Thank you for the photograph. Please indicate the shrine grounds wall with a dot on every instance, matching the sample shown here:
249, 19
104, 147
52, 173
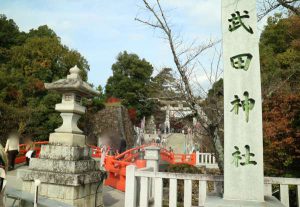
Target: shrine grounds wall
112, 121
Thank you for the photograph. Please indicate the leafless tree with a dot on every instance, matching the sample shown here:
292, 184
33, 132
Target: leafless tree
267, 6
186, 60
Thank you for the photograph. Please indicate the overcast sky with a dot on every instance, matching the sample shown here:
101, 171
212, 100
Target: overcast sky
100, 29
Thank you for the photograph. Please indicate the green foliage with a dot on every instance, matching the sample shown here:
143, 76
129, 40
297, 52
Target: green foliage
98, 101
9, 36
130, 82
163, 85
9, 32
183, 168
216, 91
27, 61
280, 55
280, 65
213, 107
45, 58
42, 31
10, 119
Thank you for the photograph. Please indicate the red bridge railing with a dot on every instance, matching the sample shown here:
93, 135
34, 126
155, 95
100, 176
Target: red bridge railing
21, 156
115, 165
172, 158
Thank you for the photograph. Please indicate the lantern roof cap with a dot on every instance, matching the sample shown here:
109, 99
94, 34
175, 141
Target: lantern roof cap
73, 84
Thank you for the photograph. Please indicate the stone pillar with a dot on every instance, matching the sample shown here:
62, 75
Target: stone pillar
243, 166
167, 121
65, 168
152, 156
243, 137
150, 125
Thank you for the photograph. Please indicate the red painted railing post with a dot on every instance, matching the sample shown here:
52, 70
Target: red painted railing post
21, 156
193, 158
111, 170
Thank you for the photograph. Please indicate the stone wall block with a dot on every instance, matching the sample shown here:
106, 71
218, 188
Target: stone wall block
64, 166
55, 191
112, 119
79, 202
43, 189
27, 186
59, 152
94, 188
81, 192
61, 178
71, 193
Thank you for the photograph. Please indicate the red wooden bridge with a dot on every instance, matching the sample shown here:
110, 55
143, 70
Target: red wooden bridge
115, 165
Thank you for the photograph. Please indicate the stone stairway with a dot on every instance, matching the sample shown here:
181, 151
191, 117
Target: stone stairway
177, 142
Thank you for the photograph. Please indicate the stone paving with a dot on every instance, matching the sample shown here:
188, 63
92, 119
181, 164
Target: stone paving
111, 197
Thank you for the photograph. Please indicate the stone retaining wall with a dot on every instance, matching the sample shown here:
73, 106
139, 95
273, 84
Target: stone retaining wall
114, 122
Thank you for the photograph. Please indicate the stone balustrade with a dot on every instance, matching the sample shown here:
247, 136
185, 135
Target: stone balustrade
284, 184
206, 159
139, 182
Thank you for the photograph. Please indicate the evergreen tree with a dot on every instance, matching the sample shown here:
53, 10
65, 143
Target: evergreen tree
27, 61
163, 85
130, 82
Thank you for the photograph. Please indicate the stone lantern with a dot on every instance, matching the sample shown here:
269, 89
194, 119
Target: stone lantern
64, 167
73, 89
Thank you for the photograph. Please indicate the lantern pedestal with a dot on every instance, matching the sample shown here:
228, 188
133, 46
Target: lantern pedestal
67, 139
67, 174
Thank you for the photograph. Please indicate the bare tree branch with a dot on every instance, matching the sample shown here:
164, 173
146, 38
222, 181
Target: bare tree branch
267, 6
185, 60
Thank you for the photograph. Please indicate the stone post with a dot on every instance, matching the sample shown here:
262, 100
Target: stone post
167, 118
131, 187
197, 158
243, 137
65, 168
243, 166
152, 156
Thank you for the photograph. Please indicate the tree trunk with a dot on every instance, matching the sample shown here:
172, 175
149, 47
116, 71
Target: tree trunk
218, 149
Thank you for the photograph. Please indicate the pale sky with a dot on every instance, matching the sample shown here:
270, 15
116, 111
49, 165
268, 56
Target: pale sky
100, 29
